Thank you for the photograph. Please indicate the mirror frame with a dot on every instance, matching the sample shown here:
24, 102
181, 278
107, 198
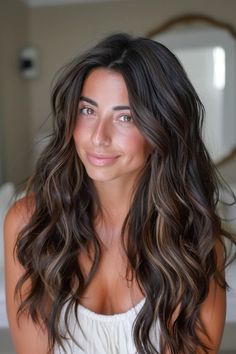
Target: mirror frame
190, 19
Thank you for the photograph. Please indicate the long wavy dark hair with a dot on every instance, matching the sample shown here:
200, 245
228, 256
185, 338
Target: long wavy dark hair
172, 225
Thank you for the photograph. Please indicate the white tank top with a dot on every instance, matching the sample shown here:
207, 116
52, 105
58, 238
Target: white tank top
103, 334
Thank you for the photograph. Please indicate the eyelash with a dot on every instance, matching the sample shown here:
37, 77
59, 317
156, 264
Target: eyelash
126, 115
84, 111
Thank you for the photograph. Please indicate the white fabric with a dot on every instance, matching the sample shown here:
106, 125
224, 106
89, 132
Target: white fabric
104, 334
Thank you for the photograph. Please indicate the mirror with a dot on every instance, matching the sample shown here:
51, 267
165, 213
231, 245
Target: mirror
207, 50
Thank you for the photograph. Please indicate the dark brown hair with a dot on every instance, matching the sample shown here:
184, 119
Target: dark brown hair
172, 225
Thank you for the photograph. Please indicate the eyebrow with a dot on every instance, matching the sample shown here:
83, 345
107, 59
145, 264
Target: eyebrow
94, 103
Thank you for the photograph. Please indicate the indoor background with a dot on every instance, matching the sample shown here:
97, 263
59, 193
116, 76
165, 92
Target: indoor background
57, 33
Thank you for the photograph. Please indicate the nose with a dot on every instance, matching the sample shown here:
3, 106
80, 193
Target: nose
102, 134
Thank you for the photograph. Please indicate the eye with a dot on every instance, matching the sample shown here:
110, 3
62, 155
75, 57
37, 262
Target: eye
126, 118
86, 111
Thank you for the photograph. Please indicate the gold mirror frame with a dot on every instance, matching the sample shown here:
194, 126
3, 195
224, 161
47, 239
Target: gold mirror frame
193, 19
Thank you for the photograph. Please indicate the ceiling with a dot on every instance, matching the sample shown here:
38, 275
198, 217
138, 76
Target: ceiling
36, 3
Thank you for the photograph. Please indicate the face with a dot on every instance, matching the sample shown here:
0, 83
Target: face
107, 141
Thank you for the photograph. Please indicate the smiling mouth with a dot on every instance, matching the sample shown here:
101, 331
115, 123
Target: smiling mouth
101, 160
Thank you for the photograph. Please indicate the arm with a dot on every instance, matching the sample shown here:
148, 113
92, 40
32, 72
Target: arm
27, 337
213, 311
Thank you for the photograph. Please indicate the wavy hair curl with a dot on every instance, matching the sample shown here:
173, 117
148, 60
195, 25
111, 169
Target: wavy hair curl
172, 225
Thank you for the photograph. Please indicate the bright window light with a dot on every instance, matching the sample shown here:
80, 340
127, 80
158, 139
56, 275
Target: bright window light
219, 68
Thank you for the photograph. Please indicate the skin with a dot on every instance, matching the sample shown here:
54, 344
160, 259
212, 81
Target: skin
27, 338
114, 153
107, 141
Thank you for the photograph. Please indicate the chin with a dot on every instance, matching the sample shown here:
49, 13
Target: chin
100, 176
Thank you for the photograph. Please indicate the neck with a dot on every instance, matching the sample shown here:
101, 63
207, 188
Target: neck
115, 201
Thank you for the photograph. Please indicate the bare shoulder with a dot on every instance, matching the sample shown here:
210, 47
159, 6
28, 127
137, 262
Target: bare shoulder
16, 219
19, 215
27, 336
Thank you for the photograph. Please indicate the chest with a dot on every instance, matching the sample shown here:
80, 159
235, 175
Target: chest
109, 292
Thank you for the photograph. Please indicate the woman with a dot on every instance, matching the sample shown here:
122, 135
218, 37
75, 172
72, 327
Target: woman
118, 247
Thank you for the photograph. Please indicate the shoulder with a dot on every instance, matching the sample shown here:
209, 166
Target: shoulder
27, 336
19, 215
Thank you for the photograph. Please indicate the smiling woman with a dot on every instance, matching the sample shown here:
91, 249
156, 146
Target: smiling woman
117, 246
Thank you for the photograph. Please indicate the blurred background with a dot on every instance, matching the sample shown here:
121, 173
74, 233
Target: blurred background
37, 37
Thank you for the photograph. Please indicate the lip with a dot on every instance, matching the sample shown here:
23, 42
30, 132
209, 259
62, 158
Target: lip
101, 159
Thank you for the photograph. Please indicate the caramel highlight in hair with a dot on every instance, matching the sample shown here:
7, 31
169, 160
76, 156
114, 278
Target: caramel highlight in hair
172, 225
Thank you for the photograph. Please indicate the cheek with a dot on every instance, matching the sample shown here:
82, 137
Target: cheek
138, 146
79, 135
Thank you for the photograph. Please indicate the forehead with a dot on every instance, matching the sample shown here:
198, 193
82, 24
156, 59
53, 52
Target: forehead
102, 83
